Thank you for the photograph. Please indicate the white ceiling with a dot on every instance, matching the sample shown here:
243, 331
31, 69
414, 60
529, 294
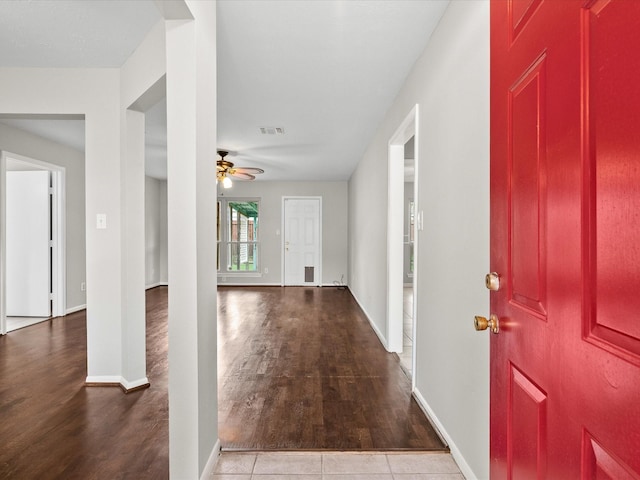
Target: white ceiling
324, 70
72, 33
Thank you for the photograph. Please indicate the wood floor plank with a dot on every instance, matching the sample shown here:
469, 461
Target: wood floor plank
53, 426
298, 369
301, 368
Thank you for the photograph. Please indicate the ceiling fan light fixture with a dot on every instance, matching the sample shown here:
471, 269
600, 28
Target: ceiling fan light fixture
225, 170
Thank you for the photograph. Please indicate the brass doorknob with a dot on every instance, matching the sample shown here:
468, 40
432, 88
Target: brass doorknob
492, 281
493, 324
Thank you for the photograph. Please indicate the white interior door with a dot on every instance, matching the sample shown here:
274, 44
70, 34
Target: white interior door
28, 266
302, 245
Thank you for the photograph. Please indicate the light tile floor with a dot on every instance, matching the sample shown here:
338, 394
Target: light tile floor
336, 466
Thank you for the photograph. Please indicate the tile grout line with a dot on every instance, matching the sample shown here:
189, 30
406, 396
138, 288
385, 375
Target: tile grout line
255, 461
386, 457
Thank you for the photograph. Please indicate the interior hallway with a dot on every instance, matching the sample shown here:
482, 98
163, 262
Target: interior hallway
301, 368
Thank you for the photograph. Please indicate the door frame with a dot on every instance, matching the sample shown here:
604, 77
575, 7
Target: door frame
282, 243
395, 233
58, 224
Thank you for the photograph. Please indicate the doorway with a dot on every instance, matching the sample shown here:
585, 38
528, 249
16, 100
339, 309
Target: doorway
403, 223
39, 186
302, 241
408, 247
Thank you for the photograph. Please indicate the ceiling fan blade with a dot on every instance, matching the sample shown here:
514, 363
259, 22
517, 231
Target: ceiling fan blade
240, 175
249, 170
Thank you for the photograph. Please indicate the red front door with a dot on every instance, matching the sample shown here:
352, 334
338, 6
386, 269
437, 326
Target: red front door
565, 239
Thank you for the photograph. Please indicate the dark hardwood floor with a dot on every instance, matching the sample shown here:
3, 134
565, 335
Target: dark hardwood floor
298, 368
301, 368
53, 426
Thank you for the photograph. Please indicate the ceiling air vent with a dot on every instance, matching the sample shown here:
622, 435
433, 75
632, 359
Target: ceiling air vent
272, 130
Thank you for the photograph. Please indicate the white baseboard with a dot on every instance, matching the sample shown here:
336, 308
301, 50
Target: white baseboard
76, 309
381, 337
455, 451
210, 466
108, 380
157, 284
136, 383
103, 379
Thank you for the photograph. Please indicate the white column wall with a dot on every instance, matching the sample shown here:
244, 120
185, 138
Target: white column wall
164, 255
134, 370
183, 295
140, 81
191, 190
206, 198
104, 251
152, 230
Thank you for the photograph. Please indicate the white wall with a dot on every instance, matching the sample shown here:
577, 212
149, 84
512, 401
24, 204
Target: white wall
334, 227
22, 143
450, 82
164, 244
155, 232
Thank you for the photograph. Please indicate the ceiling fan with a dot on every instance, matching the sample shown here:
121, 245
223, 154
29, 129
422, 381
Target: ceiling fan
225, 171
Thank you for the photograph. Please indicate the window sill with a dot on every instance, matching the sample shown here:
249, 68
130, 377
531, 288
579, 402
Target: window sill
239, 274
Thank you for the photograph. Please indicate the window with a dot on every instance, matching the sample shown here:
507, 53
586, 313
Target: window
240, 244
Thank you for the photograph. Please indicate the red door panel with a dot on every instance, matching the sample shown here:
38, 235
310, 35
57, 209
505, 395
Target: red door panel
527, 189
612, 149
601, 465
527, 424
565, 238
520, 11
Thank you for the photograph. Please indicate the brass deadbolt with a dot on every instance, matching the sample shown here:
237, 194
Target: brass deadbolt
492, 281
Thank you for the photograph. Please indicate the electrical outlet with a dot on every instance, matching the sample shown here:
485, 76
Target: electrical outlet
83, 287
266, 270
